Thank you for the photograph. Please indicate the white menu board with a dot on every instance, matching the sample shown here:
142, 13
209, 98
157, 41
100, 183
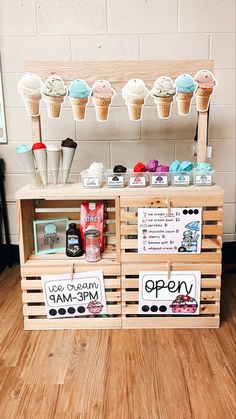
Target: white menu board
178, 232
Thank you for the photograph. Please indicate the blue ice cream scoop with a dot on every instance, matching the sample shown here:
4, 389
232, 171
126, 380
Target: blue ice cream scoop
203, 167
79, 89
185, 84
185, 166
174, 167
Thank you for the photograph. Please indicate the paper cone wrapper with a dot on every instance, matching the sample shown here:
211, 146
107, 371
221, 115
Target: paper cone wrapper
67, 159
78, 107
40, 156
32, 104
54, 164
102, 108
135, 107
53, 105
28, 163
203, 98
184, 102
163, 106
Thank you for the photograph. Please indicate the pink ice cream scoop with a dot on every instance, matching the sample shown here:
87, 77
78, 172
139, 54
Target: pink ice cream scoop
205, 79
102, 89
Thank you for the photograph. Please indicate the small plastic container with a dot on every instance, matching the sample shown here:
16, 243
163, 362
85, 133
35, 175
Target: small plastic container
203, 178
138, 179
115, 180
157, 179
92, 246
88, 181
181, 178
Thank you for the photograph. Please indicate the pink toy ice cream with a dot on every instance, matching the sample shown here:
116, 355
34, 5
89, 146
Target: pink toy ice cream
184, 304
206, 84
163, 92
102, 93
29, 88
135, 93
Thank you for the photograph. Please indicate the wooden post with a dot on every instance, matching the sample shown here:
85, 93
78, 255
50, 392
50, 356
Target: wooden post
202, 137
36, 129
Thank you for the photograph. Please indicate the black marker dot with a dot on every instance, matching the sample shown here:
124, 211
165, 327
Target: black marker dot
62, 311
145, 309
154, 309
162, 308
196, 211
71, 310
190, 211
185, 212
81, 309
53, 312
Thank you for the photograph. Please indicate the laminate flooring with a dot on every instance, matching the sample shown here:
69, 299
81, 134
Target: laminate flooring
114, 374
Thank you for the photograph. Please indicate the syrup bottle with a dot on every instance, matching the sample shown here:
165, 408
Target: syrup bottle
73, 241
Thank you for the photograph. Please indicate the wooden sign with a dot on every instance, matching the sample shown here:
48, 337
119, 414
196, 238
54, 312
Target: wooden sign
177, 294
178, 232
84, 295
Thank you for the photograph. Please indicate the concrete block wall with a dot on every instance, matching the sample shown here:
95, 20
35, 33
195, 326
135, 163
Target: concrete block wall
123, 30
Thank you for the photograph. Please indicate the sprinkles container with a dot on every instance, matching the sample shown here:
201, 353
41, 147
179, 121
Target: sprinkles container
92, 247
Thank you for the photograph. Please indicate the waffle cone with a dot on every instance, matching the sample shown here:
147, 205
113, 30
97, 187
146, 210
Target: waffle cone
203, 98
78, 107
135, 107
184, 102
54, 105
102, 108
32, 104
163, 106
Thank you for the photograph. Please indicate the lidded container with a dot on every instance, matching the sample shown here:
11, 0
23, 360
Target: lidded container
159, 178
181, 178
92, 246
137, 179
89, 181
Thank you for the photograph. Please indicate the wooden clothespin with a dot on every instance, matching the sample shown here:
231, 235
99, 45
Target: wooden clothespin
168, 204
168, 266
72, 271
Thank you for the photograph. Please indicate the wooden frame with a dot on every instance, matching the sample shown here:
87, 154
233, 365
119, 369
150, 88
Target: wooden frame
118, 72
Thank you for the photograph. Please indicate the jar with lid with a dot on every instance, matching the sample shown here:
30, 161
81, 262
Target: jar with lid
92, 247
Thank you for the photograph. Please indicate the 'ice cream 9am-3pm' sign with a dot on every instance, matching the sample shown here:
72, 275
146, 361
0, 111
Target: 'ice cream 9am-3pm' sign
178, 232
177, 294
84, 295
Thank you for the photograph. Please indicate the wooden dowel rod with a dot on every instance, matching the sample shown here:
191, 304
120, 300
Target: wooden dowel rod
202, 137
36, 129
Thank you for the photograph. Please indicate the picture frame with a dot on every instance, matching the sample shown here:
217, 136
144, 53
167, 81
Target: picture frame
50, 235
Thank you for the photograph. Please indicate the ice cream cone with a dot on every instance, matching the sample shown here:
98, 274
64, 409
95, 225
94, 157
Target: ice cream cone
54, 163
78, 107
135, 108
184, 102
28, 163
102, 108
54, 105
163, 106
32, 104
202, 98
67, 159
40, 156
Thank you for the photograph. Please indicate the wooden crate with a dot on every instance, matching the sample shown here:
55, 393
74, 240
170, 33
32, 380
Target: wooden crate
210, 298
34, 308
212, 206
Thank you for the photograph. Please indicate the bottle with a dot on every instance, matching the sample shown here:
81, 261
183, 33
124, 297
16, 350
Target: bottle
73, 241
92, 252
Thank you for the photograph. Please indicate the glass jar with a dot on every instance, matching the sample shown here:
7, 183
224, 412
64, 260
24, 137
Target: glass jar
92, 246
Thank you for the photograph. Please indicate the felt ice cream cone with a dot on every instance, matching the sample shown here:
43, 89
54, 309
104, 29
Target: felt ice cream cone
32, 104
26, 156
203, 98
78, 107
53, 155
184, 102
40, 156
163, 106
67, 159
102, 108
135, 108
53, 105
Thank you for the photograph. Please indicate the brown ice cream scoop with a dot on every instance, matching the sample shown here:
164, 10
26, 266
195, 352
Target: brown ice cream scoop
68, 142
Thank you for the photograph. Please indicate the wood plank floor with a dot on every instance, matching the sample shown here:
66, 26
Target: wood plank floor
131, 374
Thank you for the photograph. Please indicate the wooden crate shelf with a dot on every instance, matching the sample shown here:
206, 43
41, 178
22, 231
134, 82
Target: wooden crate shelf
121, 262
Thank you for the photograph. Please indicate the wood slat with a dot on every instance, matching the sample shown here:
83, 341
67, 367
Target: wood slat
36, 284
191, 196
205, 282
204, 309
171, 257
206, 215
215, 230
170, 322
38, 297
75, 323
205, 268
38, 269
206, 244
41, 311
204, 296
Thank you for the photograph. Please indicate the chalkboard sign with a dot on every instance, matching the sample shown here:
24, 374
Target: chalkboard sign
84, 295
177, 294
178, 232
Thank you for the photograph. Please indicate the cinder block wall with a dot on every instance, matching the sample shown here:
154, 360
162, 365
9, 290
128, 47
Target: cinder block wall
121, 29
